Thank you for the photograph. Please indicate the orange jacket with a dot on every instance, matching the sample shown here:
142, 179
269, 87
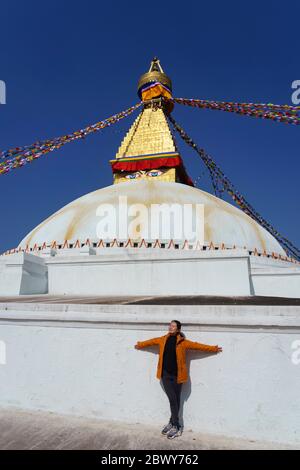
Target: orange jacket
182, 345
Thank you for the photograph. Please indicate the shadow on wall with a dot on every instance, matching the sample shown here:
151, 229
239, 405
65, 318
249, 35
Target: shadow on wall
186, 386
186, 390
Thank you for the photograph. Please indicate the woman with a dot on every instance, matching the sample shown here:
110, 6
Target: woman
172, 368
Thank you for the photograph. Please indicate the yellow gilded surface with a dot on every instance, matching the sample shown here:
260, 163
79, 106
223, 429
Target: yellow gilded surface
149, 134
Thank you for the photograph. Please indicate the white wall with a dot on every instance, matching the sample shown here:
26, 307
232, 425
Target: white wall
23, 273
147, 271
277, 282
80, 359
150, 272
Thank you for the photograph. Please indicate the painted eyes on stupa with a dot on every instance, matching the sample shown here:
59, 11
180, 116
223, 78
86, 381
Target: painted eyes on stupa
139, 174
154, 173
131, 176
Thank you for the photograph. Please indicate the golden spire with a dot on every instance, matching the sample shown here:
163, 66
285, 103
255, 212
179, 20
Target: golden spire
149, 135
148, 150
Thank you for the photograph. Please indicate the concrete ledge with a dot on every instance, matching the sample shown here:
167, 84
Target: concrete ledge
154, 317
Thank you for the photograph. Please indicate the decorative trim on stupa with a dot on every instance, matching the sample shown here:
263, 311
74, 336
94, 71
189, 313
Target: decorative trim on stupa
144, 243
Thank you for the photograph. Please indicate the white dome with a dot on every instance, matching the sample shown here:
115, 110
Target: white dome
223, 223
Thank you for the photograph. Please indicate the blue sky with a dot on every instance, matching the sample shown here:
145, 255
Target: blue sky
69, 64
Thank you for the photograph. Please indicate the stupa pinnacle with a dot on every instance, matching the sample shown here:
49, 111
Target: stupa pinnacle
149, 149
154, 83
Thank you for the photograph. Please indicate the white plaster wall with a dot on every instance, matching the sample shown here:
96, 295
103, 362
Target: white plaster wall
150, 272
2, 268
81, 360
23, 273
277, 282
144, 271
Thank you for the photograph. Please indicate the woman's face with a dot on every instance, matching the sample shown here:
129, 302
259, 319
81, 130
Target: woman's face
172, 327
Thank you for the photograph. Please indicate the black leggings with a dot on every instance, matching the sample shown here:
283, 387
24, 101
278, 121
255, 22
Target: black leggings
173, 391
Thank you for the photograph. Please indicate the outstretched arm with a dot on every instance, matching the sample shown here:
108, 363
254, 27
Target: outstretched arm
202, 347
148, 342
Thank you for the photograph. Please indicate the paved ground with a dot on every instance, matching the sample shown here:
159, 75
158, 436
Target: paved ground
40, 430
155, 300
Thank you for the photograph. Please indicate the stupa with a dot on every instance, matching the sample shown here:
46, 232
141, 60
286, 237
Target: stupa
116, 265
131, 237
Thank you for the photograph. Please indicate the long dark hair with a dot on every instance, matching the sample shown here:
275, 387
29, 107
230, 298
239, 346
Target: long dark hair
178, 323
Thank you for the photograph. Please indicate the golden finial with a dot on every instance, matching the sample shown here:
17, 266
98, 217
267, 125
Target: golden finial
154, 76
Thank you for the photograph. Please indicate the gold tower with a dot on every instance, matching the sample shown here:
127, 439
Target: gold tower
149, 150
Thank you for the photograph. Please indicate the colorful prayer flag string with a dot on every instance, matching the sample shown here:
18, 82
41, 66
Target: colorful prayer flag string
275, 112
20, 156
218, 177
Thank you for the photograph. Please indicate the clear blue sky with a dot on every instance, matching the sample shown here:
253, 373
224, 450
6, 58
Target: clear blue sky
68, 64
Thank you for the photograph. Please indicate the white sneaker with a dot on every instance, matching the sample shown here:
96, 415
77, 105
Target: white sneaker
174, 432
167, 428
